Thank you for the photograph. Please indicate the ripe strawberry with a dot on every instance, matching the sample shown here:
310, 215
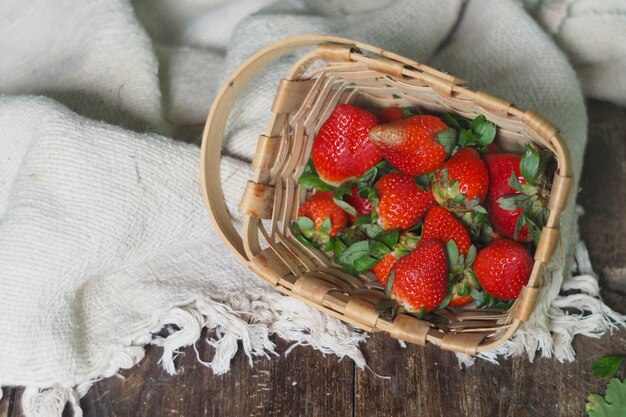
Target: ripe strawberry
341, 149
493, 148
383, 268
514, 203
393, 114
503, 268
500, 167
321, 206
440, 224
401, 202
411, 144
421, 278
462, 182
459, 300
360, 204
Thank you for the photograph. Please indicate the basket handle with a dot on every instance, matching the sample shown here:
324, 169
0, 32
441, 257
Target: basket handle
330, 48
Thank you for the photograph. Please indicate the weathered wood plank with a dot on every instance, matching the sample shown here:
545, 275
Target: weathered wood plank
430, 382
603, 196
6, 403
305, 383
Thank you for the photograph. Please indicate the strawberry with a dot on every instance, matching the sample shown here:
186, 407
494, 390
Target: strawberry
493, 148
411, 144
440, 224
503, 268
500, 167
383, 268
401, 202
518, 194
320, 207
461, 277
420, 279
462, 182
459, 300
393, 114
341, 149
362, 206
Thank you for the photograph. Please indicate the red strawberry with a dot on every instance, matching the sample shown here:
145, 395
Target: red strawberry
321, 206
459, 300
383, 268
421, 277
341, 149
411, 144
393, 114
360, 204
401, 202
513, 202
493, 148
462, 182
503, 268
500, 167
440, 224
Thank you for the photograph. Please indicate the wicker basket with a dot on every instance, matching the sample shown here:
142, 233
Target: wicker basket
348, 71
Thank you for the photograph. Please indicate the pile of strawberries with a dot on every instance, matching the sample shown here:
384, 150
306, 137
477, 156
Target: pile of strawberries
429, 204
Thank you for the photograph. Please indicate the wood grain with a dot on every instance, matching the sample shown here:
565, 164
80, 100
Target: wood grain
423, 381
309, 385
603, 196
6, 403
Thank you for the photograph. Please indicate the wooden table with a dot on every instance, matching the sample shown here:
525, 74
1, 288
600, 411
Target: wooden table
423, 381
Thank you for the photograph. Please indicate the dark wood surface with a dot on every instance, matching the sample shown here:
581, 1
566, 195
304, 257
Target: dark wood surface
421, 381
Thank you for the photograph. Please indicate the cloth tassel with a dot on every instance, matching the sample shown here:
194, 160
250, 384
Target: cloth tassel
50, 402
250, 321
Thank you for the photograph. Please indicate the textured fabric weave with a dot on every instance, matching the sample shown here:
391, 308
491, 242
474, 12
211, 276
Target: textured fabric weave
104, 238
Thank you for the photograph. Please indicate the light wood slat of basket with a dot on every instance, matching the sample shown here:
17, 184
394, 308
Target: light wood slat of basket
547, 243
341, 285
352, 280
455, 325
329, 102
334, 51
492, 104
304, 150
278, 206
525, 303
482, 330
312, 257
287, 258
464, 343
257, 200
362, 311
561, 193
313, 112
479, 315
312, 288
384, 65
250, 236
290, 95
307, 259
372, 296
266, 152
409, 329
269, 266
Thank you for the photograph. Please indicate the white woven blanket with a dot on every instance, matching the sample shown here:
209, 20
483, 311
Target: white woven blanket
104, 238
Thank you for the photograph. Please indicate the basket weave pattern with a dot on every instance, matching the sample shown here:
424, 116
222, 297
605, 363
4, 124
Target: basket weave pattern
350, 72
